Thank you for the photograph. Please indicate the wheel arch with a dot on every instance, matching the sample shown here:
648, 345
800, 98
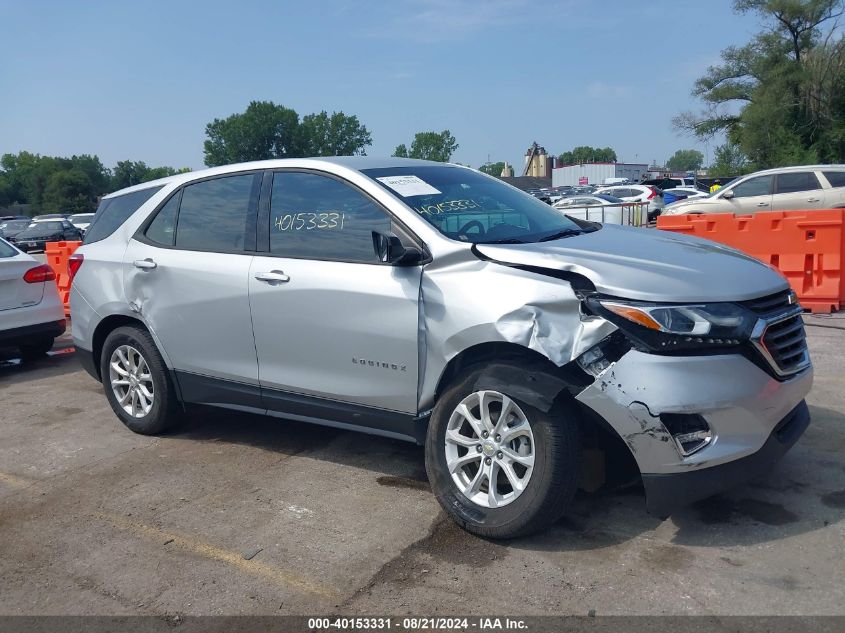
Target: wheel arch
108, 325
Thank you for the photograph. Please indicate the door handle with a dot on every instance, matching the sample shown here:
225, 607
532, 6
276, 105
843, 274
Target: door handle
762, 204
813, 199
144, 264
273, 277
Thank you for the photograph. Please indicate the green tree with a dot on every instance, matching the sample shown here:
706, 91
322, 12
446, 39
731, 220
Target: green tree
69, 191
335, 135
436, 146
494, 169
127, 173
685, 160
781, 97
728, 160
587, 154
265, 130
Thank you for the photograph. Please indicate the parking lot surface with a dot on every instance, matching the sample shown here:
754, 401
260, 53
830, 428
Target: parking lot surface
238, 514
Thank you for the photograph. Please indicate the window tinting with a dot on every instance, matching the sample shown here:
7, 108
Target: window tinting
317, 217
760, 186
835, 178
794, 182
113, 212
214, 214
163, 228
6, 250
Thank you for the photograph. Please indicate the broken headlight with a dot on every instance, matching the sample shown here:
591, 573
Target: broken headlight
665, 328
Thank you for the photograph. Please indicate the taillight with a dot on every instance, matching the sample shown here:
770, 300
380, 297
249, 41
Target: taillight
653, 192
73, 264
39, 274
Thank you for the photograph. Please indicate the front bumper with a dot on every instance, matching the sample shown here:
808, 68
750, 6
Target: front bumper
742, 404
668, 492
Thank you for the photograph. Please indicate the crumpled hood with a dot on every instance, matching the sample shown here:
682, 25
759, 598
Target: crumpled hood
649, 264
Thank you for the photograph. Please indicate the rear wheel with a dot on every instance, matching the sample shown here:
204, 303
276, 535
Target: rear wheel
136, 381
36, 348
500, 467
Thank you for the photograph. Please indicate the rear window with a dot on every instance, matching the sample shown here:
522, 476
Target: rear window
6, 250
113, 212
835, 178
794, 182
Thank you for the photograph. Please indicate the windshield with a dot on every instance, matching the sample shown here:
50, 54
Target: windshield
468, 206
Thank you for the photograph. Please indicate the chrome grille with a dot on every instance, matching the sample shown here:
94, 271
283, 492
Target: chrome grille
783, 343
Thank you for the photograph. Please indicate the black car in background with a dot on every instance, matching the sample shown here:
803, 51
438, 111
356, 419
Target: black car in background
34, 237
10, 228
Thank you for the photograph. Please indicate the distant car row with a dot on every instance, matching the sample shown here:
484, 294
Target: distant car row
31, 234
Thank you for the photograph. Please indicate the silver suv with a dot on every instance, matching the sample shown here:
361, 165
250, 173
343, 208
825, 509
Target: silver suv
783, 189
528, 351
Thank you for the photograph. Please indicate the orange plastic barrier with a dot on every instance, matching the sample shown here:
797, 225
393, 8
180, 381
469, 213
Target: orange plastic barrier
57, 255
806, 246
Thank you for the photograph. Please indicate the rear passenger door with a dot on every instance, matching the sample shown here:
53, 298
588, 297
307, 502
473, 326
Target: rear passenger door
797, 190
186, 271
332, 323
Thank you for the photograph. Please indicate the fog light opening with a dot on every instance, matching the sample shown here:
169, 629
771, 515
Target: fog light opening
690, 432
593, 361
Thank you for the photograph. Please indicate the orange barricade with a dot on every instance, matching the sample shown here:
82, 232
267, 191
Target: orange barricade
806, 246
57, 255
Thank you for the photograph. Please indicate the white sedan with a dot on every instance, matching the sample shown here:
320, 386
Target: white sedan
31, 313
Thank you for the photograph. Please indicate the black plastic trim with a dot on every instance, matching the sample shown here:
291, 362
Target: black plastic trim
86, 359
23, 334
208, 390
666, 493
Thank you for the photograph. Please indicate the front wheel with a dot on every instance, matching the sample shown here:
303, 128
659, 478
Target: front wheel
136, 381
500, 467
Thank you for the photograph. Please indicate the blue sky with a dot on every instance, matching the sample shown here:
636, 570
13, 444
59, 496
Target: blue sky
140, 80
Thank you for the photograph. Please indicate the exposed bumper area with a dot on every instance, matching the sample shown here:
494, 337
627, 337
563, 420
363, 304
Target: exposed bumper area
666, 493
28, 333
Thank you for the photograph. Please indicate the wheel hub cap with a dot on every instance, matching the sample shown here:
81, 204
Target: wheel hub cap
131, 381
489, 449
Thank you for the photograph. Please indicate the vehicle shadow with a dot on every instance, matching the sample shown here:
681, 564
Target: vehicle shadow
59, 361
789, 500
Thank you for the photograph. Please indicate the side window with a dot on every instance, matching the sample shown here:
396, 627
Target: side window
113, 212
214, 214
760, 186
835, 178
162, 230
317, 217
799, 181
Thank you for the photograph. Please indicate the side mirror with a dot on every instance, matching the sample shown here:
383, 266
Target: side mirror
390, 250
728, 195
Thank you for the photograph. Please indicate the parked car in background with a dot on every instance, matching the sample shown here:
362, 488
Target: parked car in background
14, 217
31, 314
781, 189
670, 183
37, 234
637, 193
81, 221
591, 208
50, 216
682, 193
517, 335
9, 229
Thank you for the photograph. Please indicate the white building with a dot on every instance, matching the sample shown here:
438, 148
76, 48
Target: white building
597, 173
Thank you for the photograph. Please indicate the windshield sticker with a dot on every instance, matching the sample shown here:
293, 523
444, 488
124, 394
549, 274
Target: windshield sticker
446, 207
407, 186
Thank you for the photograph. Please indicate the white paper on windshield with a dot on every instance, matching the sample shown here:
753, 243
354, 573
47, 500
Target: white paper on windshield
407, 186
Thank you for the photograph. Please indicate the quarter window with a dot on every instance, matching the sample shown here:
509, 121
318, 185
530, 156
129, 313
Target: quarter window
835, 178
795, 182
760, 186
214, 214
317, 217
162, 230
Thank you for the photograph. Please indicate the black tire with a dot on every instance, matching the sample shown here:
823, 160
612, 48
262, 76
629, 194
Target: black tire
552, 484
165, 409
36, 348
